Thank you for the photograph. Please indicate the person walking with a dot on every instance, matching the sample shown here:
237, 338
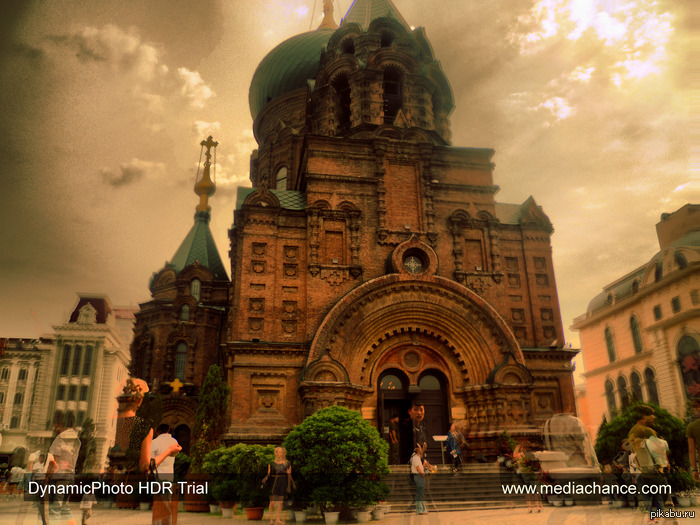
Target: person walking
394, 438
165, 504
454, 438
652, 473
281, 472
418, 473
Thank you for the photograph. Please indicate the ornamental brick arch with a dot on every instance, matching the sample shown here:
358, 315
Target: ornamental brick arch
448, 317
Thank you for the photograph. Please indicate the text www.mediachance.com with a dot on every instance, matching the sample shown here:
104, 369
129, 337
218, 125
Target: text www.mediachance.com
577, 489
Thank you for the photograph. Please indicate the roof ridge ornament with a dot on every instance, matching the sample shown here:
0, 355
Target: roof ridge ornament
328, 21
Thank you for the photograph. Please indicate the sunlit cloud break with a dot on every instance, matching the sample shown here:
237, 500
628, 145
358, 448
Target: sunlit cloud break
132, 172
194, 88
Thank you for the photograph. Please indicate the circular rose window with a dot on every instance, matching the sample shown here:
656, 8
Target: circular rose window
413, 263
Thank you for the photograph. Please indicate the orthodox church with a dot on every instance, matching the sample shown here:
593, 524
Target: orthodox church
370, 261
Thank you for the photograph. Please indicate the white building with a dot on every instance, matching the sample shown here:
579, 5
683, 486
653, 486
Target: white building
74, 374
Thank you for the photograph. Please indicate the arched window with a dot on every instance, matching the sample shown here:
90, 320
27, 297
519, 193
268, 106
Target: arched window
391, 382
610, 397
281, 179
652, 392
658, 272
180, 361
610, 344
185, 312
392, 94
2, 397
18, 398
681, 261
636, 383
636, 335
5, 374
429, 382
635, 286
342, 102
348, 46
689, 361
195, 288
622, 390
22, 374
14, 422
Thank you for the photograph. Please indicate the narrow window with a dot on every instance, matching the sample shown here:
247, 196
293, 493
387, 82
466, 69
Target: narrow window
636, 335
651, 386
66, 360
18, 398
676, 304
622, 390
392, 94
658, 272
22, 374
87, 363
281, 179
195, 288
636, 382
180, 361
610, 397
83, 393
185, 312
14, 422
610, 344
657, 312
61, 392
5, 373
76, 359
72, 389
342, 102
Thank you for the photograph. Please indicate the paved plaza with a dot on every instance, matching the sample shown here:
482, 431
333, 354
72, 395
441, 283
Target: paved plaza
14, 512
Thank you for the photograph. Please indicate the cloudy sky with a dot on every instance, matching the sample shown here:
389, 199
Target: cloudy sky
104, 104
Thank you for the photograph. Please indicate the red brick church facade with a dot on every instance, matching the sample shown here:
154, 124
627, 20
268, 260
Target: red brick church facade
370, 261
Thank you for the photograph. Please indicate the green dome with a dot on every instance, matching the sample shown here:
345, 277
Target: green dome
287, 67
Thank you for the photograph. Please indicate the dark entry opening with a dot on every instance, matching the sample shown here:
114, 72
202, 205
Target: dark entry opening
433, 394
395, 402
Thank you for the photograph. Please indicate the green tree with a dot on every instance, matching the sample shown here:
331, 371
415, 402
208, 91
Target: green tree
88, 448
338, 459
610, 436
211, 416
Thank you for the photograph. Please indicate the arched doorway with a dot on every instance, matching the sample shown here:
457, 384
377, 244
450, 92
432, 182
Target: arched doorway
433, 394
182, 433
394, 402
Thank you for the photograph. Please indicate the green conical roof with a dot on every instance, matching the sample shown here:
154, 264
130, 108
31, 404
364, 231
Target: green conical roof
199, 246
362, 12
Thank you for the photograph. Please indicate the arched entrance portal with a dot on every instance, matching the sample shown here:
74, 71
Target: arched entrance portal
395, 399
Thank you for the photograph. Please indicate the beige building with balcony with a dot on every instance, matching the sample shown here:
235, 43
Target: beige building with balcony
640, 337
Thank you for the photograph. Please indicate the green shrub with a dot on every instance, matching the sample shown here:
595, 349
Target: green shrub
338, 459
668, 427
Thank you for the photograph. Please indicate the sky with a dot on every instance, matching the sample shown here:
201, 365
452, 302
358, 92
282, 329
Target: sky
103, 105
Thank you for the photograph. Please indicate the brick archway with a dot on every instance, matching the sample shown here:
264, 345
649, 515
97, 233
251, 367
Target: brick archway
399, 309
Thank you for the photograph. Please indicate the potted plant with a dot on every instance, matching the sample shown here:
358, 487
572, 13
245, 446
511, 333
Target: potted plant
249, 464
224, 492
333, 449
682, 483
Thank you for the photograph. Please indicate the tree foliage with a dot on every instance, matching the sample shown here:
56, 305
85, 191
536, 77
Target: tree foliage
611, 434
339, 459
211, 416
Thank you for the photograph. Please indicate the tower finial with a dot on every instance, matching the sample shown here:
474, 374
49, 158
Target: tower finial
328, 20
205, 187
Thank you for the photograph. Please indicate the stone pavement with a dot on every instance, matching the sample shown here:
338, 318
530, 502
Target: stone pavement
13, 511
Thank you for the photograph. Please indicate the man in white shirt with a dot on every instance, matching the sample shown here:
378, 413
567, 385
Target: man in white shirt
419, 479
160, 444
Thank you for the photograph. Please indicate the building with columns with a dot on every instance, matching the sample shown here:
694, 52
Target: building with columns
25, 366
73, 374
640, 336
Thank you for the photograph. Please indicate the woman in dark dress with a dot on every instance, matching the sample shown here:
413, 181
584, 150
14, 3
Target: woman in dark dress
281, 472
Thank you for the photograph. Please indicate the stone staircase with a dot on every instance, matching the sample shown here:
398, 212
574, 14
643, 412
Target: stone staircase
477, 486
